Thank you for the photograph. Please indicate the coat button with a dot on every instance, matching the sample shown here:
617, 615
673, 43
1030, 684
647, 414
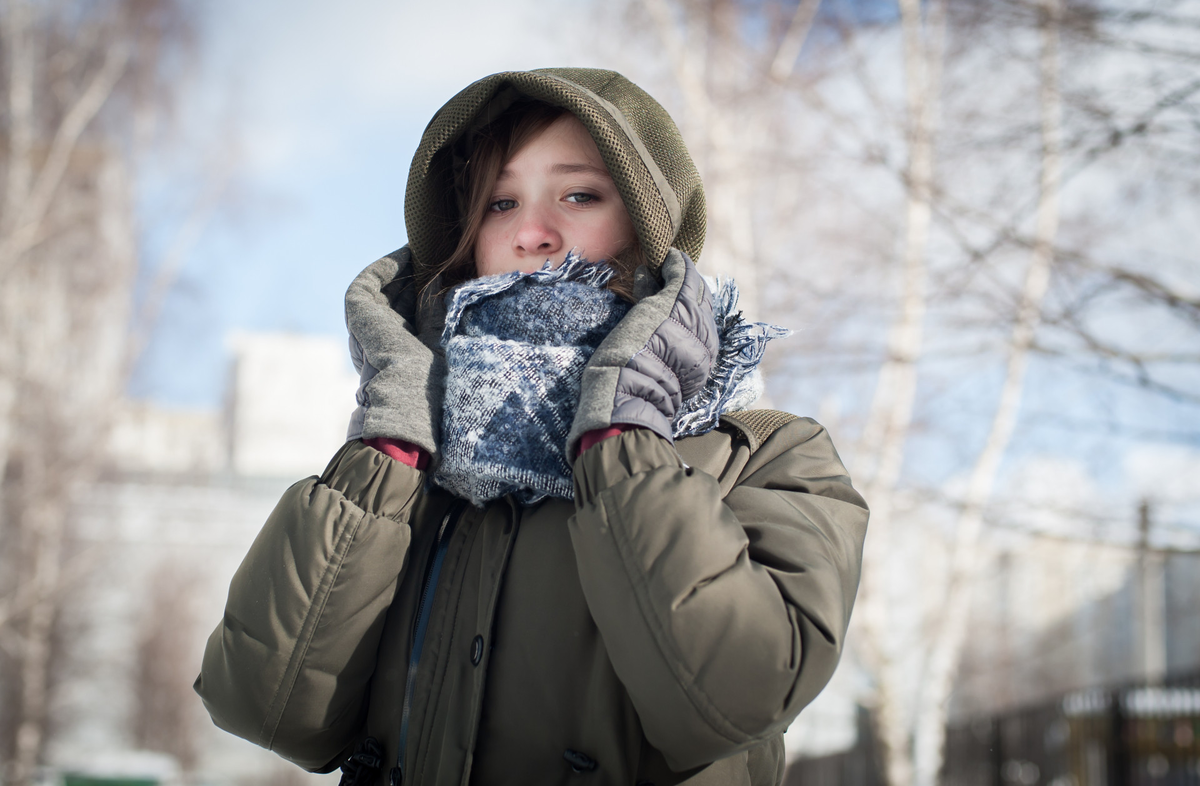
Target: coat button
476, 650
580, 762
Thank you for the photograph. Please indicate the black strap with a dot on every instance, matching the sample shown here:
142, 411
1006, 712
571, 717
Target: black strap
362, 768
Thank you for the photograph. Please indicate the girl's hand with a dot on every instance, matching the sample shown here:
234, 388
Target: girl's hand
399, 395
661, 353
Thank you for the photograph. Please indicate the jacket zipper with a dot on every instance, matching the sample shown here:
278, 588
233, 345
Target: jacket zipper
432, 572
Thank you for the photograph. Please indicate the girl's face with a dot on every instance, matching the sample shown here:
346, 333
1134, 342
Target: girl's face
554, 195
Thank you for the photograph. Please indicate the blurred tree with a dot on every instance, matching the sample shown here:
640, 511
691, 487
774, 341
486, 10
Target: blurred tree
167, 660
945, 650
945, 192
85, 84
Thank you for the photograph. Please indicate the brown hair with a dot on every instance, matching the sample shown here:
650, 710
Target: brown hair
492, 147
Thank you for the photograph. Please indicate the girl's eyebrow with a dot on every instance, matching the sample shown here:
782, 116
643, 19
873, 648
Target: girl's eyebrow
572, 169
564, 169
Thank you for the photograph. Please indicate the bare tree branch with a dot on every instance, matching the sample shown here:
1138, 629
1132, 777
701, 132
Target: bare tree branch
27, 222
1007, 231
793, 40
167, 271
68, 254
25, 596
933, 702
891, 414
20, 109
1186, 306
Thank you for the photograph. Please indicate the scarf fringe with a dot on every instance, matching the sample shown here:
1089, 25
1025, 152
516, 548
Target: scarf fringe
575, 269
735, 382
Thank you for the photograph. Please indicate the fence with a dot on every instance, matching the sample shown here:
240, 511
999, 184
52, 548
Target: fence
859, 766
1136, 734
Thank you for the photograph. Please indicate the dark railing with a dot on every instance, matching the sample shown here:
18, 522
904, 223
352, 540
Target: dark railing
859, 766
1135, 734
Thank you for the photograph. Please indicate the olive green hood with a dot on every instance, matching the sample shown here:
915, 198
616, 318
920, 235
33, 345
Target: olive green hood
640, 145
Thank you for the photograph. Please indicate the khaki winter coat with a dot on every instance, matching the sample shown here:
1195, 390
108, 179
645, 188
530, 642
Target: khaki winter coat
663, 627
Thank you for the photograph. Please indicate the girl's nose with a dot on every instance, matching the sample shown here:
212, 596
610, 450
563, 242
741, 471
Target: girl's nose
537, 236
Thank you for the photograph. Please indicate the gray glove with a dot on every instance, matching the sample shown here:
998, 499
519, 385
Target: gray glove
660, 354
401, 379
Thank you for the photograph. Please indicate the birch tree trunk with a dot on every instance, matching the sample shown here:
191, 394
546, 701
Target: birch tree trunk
784, 61
27, 221
16, 186
31, 187
730, 246
73, 319
44, 518
20, 110
880, 453
947, 645
68, 255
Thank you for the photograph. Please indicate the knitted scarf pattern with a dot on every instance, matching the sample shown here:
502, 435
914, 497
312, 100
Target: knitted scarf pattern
516, 345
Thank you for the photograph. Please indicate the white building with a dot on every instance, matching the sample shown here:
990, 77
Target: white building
160, 538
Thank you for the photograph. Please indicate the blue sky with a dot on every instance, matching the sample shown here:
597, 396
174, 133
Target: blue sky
321, 106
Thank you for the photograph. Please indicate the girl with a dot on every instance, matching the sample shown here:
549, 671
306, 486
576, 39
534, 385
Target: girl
557, 546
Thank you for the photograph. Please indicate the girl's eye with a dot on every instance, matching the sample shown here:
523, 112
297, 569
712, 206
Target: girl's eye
502, 205
581, 197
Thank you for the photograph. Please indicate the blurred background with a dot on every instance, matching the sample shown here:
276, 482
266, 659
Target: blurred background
981, 218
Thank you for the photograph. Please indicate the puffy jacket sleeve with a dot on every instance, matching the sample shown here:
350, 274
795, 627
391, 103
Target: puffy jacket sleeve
723, 615
288, 666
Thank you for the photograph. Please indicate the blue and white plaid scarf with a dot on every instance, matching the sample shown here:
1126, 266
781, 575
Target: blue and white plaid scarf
516, 345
